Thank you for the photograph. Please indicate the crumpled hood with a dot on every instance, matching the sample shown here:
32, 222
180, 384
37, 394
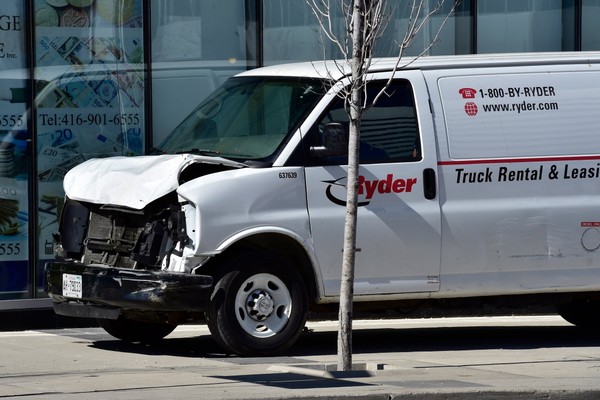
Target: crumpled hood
131, 181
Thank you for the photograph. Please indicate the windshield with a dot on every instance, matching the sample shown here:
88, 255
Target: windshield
248, 118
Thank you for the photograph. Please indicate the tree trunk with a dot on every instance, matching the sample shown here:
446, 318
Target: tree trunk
348, 261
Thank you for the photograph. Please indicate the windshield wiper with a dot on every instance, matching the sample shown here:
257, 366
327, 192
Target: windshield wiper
201, 152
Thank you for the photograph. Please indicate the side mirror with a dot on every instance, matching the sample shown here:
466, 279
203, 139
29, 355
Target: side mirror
334, 140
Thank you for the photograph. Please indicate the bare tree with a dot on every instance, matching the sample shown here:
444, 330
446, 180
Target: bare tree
363, 24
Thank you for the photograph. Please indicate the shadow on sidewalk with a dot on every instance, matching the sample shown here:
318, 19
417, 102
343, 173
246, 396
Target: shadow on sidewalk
368, 341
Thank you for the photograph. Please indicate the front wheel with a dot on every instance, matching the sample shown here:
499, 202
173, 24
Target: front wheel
259, 306
136, 331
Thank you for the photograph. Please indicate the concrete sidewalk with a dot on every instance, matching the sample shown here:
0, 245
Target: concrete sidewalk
481, 358
533, 357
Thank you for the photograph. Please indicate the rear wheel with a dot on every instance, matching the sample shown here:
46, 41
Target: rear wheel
259, 307
136, 331
582, 313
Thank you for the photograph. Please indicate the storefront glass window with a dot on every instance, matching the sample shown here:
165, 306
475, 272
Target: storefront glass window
14, 153
520, 26
439, 36
590, 29
89, 94
196, 45
292, 33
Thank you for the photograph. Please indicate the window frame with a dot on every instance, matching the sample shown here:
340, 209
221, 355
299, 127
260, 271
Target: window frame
314, 136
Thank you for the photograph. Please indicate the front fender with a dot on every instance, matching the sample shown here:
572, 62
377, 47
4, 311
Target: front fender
298, 249
234, 204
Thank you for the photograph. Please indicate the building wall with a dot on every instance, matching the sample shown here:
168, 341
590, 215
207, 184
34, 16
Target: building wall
74, 83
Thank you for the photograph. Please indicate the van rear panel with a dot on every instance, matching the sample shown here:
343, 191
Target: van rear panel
519, 170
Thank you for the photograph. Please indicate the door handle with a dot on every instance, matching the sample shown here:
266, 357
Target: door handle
429, 186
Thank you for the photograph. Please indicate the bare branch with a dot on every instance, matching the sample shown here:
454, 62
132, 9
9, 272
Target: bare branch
410, 35
321, 9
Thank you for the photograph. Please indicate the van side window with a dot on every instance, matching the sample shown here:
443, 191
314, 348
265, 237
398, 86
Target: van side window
389, 130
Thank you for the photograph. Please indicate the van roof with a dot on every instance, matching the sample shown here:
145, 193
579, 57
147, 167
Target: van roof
338, 69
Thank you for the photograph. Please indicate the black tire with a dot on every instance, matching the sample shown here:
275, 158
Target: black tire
581, 313
259, 306
136, 331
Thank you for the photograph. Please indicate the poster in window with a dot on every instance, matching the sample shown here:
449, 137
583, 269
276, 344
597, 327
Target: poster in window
14, 151
89, 86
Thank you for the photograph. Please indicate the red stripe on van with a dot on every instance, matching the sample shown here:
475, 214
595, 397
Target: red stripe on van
520, 160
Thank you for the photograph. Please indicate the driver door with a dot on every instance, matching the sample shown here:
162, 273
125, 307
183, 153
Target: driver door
398, 230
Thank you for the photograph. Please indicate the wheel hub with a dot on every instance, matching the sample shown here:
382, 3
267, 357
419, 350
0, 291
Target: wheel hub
260, 305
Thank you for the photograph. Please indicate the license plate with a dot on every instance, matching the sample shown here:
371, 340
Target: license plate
72, 286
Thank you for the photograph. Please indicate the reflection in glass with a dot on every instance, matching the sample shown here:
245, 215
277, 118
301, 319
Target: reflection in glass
590, 35
14, 153
89, 94
519, 26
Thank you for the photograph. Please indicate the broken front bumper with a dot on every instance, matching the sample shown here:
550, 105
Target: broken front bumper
103, 292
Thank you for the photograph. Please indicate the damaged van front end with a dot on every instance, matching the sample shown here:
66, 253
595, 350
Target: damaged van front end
146, 243
127, 246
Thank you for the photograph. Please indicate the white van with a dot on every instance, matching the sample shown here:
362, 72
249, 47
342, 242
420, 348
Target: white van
479, 181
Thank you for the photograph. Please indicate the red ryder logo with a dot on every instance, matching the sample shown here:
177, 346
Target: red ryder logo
387, 185
368, 188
